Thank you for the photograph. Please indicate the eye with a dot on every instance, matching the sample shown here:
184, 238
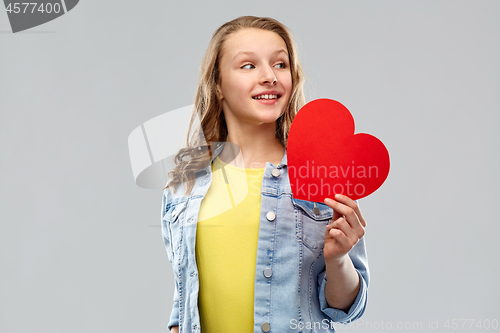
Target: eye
248, 66
280, 65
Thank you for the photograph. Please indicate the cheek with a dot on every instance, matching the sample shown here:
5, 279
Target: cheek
286, 82
236, 87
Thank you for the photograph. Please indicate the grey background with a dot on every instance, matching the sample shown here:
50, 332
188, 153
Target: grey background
81, 250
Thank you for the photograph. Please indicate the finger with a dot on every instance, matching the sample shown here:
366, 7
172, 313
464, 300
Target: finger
351, 218
340, 238
333, 233
349, 214
343, 225
353, 204
336, 215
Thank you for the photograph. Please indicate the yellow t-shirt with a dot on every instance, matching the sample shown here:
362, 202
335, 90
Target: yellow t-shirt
226, 248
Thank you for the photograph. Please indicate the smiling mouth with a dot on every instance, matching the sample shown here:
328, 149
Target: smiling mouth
267, 97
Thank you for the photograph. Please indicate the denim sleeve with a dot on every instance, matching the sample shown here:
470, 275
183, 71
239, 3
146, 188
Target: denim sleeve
174, 315
359, 259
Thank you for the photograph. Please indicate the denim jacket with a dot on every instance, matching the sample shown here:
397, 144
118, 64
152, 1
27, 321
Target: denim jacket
290, 277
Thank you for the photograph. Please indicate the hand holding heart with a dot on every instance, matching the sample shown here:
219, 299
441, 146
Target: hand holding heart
326, 159
346, 228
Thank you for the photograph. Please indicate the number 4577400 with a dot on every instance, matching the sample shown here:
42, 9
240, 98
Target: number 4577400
460, 324
23, 7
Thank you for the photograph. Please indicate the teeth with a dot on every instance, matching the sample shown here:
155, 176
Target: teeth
266, 97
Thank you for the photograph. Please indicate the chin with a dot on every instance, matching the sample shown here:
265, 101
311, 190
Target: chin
270, 120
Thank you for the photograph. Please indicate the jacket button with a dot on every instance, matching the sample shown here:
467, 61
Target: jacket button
268, 272
275, 172
265, 327
270, 216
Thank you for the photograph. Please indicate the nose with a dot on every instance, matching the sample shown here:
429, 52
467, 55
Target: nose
268, 76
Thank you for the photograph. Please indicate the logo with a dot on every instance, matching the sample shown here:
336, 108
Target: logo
26, 15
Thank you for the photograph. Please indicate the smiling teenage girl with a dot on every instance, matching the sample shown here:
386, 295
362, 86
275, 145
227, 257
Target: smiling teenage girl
247, 256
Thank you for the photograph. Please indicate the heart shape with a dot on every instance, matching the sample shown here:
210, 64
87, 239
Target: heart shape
325, 157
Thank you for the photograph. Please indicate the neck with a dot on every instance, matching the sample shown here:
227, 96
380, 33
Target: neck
252, 147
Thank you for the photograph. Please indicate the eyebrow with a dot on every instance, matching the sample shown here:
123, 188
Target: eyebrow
253, 53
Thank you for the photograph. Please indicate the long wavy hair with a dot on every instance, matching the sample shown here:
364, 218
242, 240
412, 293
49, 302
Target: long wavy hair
207, 113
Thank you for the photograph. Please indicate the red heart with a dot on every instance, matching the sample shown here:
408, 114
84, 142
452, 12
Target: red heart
325, 157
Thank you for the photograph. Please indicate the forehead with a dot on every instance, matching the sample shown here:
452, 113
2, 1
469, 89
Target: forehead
252, 40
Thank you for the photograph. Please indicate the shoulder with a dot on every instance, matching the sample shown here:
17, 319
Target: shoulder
178, 193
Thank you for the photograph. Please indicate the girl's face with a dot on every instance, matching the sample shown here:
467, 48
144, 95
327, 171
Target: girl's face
255, 79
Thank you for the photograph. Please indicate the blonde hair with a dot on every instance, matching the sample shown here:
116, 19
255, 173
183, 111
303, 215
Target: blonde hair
207, 106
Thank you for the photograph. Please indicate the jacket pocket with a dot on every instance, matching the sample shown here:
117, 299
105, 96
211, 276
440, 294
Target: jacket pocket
312, 222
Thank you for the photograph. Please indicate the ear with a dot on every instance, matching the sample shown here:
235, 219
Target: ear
218, 92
